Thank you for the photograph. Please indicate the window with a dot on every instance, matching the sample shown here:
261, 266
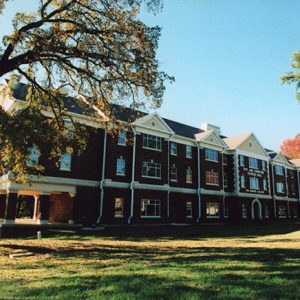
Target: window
278, 170
173, 148
69, 127
293, 189
244, 211
254, 183
150, 208
226, 210
151, 142
224, 159
280, 187
292, 175
119, 207
267, 212
189, 210
265, 184
212, 210
282, 211
243, 184
189, 175
120, 166
188, 151
65, 162
173, 172
212, 177
33, 158
253, 163
151, 169
122, 138
211, 154
242, 162
264, 165
225, 180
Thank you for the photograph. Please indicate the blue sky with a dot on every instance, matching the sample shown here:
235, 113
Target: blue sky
227, 57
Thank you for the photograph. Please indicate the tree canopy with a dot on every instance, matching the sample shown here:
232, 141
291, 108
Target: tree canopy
291, 147
294, 77
98, 49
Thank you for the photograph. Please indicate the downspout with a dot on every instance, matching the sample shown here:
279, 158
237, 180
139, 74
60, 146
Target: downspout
298, 184
287, 191
199, 186
102, 177
223, 185
132, 176
274, 193
168, 197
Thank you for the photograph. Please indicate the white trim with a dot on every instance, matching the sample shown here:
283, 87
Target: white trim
253, 155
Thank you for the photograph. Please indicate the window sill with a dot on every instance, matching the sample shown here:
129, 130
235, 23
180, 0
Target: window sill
147, 148
151, 177
173, 180
213, 217
123, 145
214, 184
216, 161
65, 170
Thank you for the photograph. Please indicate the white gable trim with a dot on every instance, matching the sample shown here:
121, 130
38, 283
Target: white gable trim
259, 144
204, 140
254, 155
140, 125
280, 158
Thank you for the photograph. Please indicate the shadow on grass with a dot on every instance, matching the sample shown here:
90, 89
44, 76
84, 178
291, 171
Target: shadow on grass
197, 273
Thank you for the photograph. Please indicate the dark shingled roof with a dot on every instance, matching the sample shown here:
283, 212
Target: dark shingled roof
119, 112
182, 129
272, 154
71, 104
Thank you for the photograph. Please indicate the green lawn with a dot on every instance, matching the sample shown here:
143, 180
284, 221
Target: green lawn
201, 262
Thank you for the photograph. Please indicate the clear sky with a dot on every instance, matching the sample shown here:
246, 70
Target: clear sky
227, 57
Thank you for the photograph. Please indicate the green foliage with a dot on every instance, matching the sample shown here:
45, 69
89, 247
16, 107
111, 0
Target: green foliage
98, 49
294, 77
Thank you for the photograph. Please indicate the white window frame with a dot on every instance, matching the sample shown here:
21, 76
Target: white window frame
253, 163
211, 155
120, 168
264, 165
225, 160
148, 139
210, 206
189, 209
173, 148
173, 173
122, 138
188, 151
146, 166
242, 160
278, 170
212, 178
150, 202
189, 175
265, 184
254, 183
243, 182
66, 162
280, 187
121, 207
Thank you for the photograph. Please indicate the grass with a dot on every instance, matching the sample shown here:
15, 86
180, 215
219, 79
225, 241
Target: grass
200, 262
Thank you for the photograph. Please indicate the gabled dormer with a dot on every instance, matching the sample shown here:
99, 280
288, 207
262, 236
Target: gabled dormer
280, 159
153, 124
210, 139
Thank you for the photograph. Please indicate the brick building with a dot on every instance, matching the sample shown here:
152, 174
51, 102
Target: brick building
156, 171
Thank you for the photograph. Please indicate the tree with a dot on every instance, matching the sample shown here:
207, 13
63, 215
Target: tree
98, 49
294, 77
291, 147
